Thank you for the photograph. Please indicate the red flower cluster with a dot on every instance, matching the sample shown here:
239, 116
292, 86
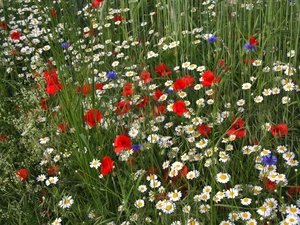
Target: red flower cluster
22, 174
209, 79
179, 108
163, 70
279, 130
183, 83
93, 117
122, 142
53, 85
107, 165
237, 128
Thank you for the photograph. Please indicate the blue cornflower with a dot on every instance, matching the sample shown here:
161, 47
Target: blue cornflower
269, 159
111, 75
212, 39
136, 147
65, 45
248, 46
170, 90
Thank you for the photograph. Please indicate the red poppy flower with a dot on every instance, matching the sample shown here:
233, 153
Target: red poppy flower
143, 103
122, 142
279, 130
163, 70
183, 83
93, 117
204, 129
157, 94
252, 41
208, 78
131, 161
3, 137
15, 35
145, 76
270, 185
181, 174
99, 86
292, 191
189, 80
63, 127
22, 174
151, 171
86, 88
118, 18
221, 62
127, 89
180, 84
3, 25
158, 110
92, 32
123, 107
107, 165
14, 52
53, 85
237, 128
51, 89
179, 108
52, 170
161, 196
53, 12
43, 104
250, 61
96, 3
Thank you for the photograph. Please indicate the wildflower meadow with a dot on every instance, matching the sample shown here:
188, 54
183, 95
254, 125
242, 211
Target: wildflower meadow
163, 112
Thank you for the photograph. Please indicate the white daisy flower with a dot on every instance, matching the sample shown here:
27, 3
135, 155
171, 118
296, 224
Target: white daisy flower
66, 202
223, 178
95, 163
